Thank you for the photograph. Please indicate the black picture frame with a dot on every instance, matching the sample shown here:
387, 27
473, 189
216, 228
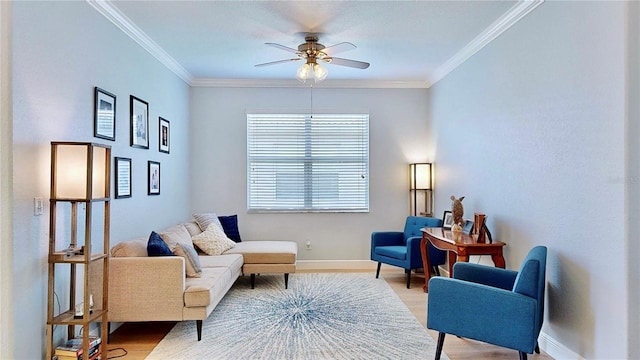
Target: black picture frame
139, 115
164, 135
447, 220
122, 179
104, 114
153, 178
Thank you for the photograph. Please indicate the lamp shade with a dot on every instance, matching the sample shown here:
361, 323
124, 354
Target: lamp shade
80, 171
420, 176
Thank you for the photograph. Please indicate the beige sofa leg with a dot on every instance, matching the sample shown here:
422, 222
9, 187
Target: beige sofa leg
199, 329
286, 280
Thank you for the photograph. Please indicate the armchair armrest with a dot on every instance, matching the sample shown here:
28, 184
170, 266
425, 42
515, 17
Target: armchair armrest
480, 312
486, 275
146, 288
386, 238
413, 251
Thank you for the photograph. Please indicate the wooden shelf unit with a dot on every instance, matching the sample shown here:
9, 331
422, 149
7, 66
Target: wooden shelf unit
93, 261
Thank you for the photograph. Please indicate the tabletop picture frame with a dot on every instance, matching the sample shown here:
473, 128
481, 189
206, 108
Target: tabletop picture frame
153, 178
104, 115
447, 220
468, 227
139, 115
164, 135
123, 177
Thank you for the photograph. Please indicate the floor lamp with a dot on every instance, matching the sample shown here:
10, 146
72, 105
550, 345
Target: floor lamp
420, 181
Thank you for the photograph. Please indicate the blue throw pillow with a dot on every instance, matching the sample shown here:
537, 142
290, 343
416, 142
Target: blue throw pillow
157, 247
230, 227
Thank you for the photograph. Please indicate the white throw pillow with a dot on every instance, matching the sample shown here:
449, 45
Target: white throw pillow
213, 241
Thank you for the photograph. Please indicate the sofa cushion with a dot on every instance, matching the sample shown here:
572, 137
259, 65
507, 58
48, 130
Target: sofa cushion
176, 234
191, 259
266, 252
395, 252
205, 219
200, 291
157, 247
230, 227
213, 240
136, 247
231, 261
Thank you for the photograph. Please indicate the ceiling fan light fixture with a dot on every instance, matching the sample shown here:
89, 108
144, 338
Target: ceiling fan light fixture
319, 72
303, 72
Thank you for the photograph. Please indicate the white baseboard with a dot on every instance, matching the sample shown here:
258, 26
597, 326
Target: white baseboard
555, 349
310, 265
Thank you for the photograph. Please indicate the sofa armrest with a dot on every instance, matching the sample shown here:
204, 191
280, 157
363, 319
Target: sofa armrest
146, 288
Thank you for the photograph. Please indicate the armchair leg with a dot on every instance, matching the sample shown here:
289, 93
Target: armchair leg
378, 271
439, 347
436, 270
408, 278
523, 355
537, 348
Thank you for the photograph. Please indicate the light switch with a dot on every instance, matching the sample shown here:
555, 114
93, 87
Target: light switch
38, 206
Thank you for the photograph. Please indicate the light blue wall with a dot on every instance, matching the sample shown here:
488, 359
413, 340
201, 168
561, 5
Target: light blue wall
61, 50
397, 137
532, 131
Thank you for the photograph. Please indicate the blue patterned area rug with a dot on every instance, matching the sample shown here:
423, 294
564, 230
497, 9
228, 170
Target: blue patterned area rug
321, 316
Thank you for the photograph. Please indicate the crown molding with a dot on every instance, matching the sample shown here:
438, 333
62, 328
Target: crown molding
508, 19
517, 12
292, 83
125, 24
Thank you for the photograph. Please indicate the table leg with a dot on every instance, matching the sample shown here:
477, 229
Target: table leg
425, 263
453, 257
498, 261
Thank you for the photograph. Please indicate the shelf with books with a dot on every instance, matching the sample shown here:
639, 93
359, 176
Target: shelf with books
79, 255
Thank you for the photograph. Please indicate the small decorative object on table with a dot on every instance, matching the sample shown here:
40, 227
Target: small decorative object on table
457, 210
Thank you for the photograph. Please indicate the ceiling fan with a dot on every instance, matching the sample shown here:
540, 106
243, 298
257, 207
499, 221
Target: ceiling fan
313, 53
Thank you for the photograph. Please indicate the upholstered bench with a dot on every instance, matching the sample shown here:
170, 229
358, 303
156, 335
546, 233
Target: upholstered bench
262, 257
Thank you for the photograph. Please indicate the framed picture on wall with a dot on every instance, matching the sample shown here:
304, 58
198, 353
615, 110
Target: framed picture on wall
139, 114
123, 177
164, 135
104, 115
153, 180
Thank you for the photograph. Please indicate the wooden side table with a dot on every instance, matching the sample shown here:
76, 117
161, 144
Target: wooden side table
459, 247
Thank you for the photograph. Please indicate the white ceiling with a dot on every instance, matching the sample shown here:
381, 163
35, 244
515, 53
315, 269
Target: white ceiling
405, 41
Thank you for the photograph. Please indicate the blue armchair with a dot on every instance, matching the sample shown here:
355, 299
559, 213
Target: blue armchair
402, 249
493, 305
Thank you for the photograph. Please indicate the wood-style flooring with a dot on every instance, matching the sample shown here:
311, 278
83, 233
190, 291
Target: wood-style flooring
139, 339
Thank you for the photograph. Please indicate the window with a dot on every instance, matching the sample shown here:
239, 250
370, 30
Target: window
297, 162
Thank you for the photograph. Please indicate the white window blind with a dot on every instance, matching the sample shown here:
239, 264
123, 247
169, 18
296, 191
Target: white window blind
297, 162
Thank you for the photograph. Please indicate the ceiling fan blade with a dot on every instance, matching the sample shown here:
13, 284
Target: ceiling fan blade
340, 47
346, 62
282, 47
277, 62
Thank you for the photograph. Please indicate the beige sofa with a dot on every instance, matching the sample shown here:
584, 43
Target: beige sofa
143, 288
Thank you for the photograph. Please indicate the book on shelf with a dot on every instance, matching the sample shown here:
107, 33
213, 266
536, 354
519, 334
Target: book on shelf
73, 347
96, 356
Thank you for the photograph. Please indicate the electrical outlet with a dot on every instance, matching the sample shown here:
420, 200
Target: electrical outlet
308, 243
38, 206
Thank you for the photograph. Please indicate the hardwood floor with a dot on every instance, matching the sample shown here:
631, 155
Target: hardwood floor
139, 339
